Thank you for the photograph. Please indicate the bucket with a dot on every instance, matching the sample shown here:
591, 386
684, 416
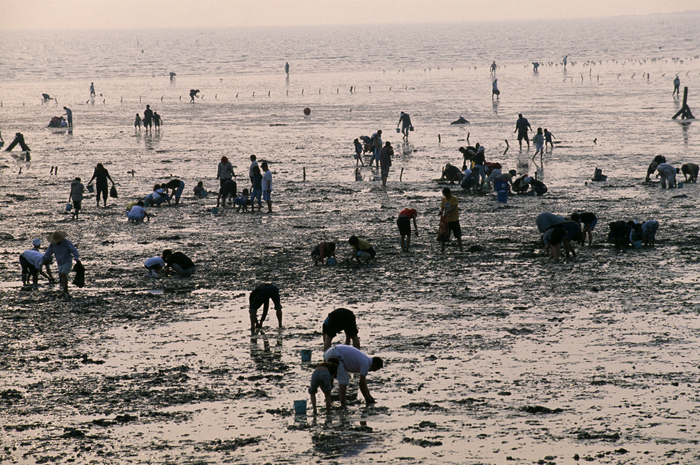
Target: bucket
300, 407
90, 188
680, 184
502, 196
305, 356
214, 210
637, 244
398, 130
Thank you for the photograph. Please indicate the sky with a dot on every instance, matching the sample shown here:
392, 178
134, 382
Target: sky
133, 14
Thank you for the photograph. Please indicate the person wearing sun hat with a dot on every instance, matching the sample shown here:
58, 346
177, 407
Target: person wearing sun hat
224, 171
64, 251
31, 261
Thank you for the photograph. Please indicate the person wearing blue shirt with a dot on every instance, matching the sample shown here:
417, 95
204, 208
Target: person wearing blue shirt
64, 251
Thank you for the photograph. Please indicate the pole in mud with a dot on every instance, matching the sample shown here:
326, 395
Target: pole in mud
684, 112
401, 176
304, 168
507, 147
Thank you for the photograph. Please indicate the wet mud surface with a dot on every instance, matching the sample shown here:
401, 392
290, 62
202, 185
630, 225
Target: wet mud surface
492, 355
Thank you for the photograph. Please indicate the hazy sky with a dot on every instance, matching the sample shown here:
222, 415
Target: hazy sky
120, 14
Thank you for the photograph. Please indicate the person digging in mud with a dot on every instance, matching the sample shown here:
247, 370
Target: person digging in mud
653, 165
587, 222
404, 224
451, 173
322, 377
179, 263
340, 319
154, 265
64, 251
176, 187
537, 186
690, 169
553, 239
449, 209
260, 296
137, 213
573, 233
361, 250
31, 262
353, 360
322, 251
229, 190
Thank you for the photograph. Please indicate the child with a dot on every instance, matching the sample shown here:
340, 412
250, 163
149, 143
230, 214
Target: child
199, 191
242, 201
323, 251
257, 189
76, 196
137, 213
548, 138
154, 265
362, 249
137, 122
358, 152
323, 376
538, 140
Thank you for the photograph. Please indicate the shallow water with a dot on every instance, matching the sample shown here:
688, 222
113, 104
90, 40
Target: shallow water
490, 354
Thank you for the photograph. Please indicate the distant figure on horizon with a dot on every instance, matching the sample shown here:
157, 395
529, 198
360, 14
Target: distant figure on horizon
535, 65
69, 116
495, 90
493, 67
676, 86
286, 68
564, 60
137, 122
521, 127
193, 94
157, 120
92, 89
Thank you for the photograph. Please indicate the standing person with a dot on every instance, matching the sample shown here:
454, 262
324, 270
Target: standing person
676, 86
565, 60
157, 120
224, 171
668, 175
76, 196
340, 319
92, 89
137, 122
322, 251
405, 122
101, 175
538, 140
548, 136
178, 262
358, 152
64, 251
404, 224
587, 222
69, 116
253, 164
479, 161
177, 187
352, 360
495, 91
385, 161
521, 127
256, 194
286, 68
147, 117
267, 186
261, 296
31, 261
361, 249
449, 208
376, 146
493, 67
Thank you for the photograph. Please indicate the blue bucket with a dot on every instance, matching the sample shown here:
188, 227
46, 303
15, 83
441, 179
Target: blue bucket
305, 355
214, 210
502, 196
300, 407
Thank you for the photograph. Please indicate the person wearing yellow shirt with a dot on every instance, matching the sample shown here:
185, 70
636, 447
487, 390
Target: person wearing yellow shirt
450, 210
361, 249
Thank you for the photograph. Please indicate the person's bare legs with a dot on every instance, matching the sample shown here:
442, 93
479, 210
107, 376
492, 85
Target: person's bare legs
279, 316
342, 392
327, 340
459, 242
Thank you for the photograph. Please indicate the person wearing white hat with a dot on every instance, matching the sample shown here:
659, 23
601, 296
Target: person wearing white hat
31, 261
64, 251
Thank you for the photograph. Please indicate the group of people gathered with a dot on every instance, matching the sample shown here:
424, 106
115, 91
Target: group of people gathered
668, 172
150, 119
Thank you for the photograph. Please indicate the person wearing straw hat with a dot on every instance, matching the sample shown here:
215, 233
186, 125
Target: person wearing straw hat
31, 261
64, 251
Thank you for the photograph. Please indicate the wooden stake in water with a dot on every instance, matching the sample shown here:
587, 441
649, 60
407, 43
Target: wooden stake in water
684, 112
401, 176
304, 174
